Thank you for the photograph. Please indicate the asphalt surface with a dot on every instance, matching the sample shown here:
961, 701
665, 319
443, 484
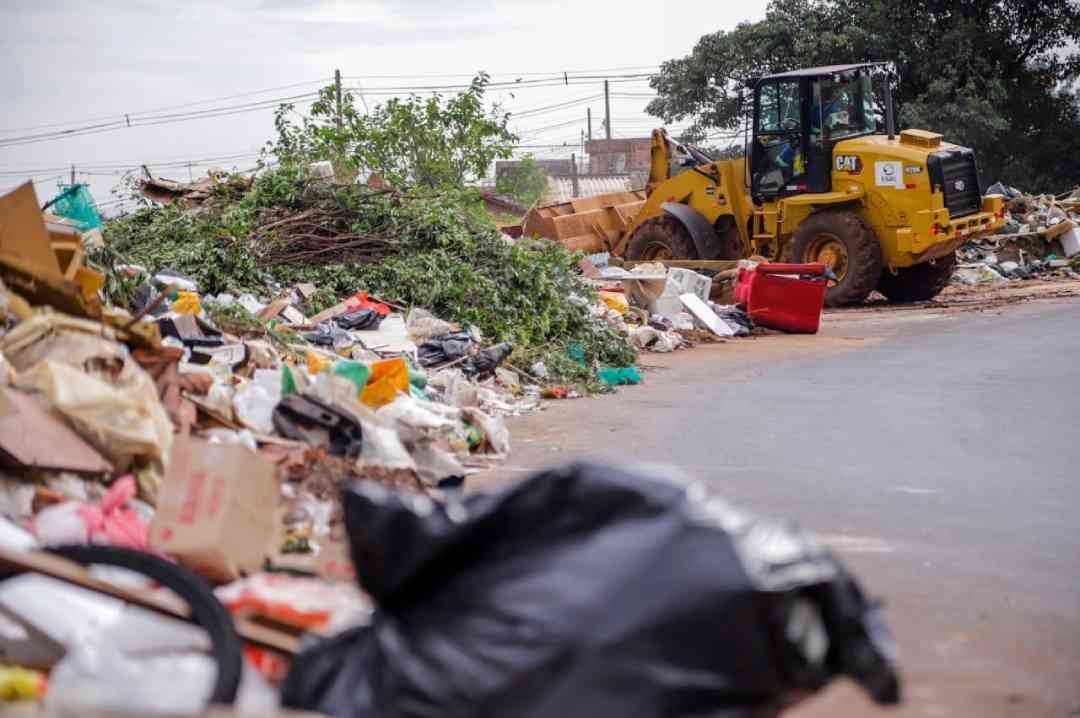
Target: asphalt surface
940, 455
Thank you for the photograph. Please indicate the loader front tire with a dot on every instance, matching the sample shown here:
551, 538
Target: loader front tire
919, 283
661, 238
842, 240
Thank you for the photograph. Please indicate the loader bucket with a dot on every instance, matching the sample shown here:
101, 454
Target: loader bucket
589, 224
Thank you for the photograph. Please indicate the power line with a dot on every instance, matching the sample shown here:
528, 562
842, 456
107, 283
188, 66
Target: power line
90, 166
153, 121
507, 73
552, 108
126, 121
162, 109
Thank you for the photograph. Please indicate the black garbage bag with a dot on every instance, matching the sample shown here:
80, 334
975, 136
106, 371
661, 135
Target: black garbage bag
587, 591
328, 335
361, 319
442, 349
485, 360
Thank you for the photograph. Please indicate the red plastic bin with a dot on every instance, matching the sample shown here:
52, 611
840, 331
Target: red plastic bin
778, 296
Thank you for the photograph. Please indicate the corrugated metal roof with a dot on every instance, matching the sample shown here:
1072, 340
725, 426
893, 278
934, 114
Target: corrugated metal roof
561, 189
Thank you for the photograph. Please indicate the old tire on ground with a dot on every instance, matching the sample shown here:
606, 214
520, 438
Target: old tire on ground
842, 240
919, 283
661, 238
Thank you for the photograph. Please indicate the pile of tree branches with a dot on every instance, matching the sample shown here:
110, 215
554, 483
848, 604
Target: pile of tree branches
319, 235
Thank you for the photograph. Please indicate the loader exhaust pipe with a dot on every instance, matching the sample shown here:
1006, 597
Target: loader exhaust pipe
890, 118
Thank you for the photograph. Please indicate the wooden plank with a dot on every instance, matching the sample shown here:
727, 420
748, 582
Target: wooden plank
65, 570
716, 264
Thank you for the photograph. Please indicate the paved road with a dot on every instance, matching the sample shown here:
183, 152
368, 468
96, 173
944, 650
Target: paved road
939, 454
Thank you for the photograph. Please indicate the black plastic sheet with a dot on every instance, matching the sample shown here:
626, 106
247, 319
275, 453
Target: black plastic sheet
361, 319
444, 349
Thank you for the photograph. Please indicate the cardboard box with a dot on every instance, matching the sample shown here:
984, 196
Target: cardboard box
34, 436
23, 235
217, 508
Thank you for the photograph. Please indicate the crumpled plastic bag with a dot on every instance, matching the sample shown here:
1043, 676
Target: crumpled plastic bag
654, 339
388, 379
444, 348
418, 419
121, 417
494, 429
254, 401
977, 274
61, 337
99, 681
423, 325
93, 381
111, 521
615, 301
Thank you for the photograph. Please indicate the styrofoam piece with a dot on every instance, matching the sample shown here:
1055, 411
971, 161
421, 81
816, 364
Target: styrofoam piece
1070, 242
704, 314
667, 306
392, 336
682, 281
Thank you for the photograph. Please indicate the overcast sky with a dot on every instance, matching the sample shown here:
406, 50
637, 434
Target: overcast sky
69, 63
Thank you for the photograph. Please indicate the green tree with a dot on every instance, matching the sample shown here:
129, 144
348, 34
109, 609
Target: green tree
431, 141
997, 76
526, 183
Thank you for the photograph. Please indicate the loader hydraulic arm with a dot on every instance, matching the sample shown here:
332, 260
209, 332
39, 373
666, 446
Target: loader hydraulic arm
660, 167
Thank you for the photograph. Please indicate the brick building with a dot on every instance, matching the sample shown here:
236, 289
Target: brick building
554, 168
619, 156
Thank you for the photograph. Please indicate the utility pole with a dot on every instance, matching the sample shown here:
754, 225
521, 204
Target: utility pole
576, 189
72, 175
337, 90
337, 162
607, 110
589, 118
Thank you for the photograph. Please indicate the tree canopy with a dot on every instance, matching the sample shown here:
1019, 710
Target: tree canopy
1001, 77
525, 183
430, 141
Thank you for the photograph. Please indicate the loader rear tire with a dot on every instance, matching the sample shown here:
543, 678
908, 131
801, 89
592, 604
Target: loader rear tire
919, 283
661, 238
844, 241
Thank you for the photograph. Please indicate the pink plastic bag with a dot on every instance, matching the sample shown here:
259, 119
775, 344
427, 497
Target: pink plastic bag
111, 521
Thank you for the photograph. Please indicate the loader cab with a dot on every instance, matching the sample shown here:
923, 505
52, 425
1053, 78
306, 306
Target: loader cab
800, 116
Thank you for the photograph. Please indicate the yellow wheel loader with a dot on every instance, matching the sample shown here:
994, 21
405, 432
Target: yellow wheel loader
822, 181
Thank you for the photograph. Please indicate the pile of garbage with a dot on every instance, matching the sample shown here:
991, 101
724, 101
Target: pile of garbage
399, 394
661, 309
197, 477
412, 248
1040, 240
219, 430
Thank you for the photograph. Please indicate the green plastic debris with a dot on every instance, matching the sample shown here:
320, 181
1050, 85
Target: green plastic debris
474, 436
417, 377
618, 376
288, 381
355, 372
77, 204
577, 353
